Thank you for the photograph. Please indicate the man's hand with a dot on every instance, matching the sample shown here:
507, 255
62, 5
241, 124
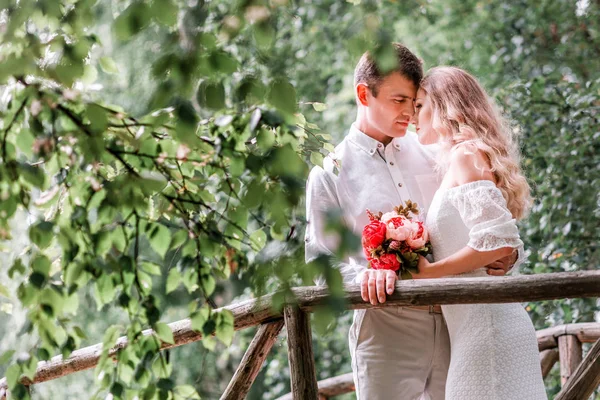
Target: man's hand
375, 283
503, 265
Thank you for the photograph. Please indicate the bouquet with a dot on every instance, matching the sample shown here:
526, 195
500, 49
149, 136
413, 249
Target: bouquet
395, 240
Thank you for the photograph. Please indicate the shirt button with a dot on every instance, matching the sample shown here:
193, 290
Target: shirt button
379, 145
391, 163
399, 185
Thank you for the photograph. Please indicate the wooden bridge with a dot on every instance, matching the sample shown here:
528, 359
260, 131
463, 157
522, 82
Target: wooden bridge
579, 377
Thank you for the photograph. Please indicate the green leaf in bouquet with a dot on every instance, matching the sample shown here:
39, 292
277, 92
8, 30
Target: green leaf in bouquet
410, 259
405, 274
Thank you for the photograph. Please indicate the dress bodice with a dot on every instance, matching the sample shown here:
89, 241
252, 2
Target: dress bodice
474, 214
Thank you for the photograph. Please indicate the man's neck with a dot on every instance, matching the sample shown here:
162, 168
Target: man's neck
368, 130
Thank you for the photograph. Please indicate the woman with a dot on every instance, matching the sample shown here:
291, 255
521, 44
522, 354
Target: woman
471, 221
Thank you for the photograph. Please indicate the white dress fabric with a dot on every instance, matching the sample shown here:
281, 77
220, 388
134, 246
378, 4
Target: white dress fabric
494, 352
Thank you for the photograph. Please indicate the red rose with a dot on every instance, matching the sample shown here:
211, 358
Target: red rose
386, 261
373, 236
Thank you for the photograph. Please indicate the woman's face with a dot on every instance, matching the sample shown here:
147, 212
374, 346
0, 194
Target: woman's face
422, 119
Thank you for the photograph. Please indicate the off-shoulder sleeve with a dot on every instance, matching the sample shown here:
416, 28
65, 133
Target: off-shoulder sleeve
321, 198
484, 211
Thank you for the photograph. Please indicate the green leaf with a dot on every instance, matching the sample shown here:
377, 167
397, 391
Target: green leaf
164, 332
12, 375
316, 158
33, 175
110, 336
165, 12
282, 95
105, 290
258, 239
178, 238
319, 106
6, 356
186, 392
97, 117
265, 138
199, 318
173, 280
225, 329
223, 62
211, 95
160, 239
4, 292
42, 234
133, 20
208, 283
151, 268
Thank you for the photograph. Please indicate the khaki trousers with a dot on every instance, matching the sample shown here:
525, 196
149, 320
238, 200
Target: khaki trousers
399, 354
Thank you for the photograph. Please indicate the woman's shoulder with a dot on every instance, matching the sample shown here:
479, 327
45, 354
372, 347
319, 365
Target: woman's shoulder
468, 163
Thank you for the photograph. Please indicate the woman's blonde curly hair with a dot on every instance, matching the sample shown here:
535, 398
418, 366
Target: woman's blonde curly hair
463, 113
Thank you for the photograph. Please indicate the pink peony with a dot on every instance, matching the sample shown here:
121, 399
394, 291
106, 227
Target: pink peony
419, 235
398, 228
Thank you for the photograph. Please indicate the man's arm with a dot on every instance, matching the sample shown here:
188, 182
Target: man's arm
321, 197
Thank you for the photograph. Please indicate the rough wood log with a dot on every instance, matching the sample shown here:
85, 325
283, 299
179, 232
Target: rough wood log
569, 350
303, 376
414, 292
586, 332
548, 358
252, 361
331, 387
585, 379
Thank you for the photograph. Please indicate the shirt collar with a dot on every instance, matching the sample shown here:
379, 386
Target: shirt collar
366, 142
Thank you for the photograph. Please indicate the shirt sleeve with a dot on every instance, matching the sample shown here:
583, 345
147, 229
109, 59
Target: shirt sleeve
491, 226
321, 197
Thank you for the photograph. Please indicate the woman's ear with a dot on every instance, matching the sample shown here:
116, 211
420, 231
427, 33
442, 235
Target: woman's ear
362, 94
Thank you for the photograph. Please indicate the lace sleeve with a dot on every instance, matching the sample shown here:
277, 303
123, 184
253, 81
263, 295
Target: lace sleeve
483, 210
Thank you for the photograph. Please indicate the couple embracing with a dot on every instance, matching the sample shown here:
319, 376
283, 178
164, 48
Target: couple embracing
462, 169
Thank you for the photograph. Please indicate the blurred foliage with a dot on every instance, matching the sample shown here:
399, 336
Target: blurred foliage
158, 152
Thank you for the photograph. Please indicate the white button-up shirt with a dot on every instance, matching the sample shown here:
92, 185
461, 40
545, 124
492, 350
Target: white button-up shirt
364, 174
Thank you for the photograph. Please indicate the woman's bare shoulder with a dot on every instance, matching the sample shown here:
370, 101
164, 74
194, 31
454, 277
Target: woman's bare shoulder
469, 164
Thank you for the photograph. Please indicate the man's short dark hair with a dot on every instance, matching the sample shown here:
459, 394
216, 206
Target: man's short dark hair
408, 65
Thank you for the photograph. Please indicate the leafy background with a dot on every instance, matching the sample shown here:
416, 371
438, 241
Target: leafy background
154, 156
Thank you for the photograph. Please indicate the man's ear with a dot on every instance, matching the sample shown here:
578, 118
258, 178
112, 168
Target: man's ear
362, 92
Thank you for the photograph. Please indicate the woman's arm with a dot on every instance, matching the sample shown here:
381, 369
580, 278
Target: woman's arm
464, 260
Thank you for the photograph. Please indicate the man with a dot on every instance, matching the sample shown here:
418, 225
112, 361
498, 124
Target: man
397, 353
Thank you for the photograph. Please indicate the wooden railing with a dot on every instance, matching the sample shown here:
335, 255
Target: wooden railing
579, 377
551, 352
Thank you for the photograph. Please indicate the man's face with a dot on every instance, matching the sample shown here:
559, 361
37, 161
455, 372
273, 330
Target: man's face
389, 113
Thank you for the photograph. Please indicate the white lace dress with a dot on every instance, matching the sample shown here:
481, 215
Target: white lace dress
494, 352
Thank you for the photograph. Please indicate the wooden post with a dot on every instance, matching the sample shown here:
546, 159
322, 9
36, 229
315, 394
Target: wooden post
303, 376
585, 378
253, 359
547, 360
569, 349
